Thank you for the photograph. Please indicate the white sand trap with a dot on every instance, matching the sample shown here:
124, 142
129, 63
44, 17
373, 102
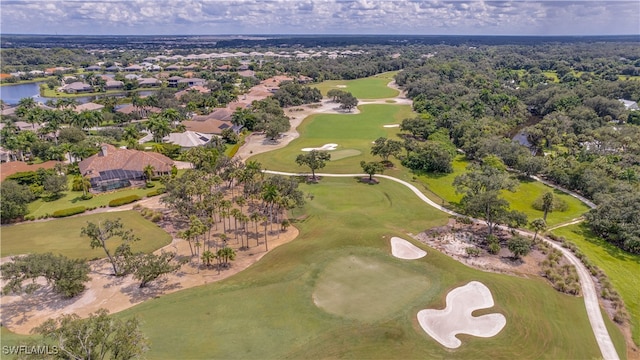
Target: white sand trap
455, 318
341, 86
403, 249
391, 125
325, 147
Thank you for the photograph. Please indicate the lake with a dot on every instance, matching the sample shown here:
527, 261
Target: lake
11, 94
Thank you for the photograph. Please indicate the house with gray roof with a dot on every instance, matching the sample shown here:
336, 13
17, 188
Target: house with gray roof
76, 87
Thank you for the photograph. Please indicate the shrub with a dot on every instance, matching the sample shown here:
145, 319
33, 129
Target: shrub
156, 217
123, 200
149, 185
472, 251
156, 192
234, 150
69, 211
494, 248
558, 204
87, 196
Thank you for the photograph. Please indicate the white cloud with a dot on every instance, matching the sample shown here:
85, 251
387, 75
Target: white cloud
320, 16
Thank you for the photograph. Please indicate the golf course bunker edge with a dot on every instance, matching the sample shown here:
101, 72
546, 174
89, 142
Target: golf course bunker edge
443, 325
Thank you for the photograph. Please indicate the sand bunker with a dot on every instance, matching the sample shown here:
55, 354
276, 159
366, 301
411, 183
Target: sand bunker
341, 86
455, 318
325, 147
391, 125
403, 249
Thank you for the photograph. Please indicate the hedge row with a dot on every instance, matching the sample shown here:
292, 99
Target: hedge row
123, 200
156, 192
234, 150
69, 211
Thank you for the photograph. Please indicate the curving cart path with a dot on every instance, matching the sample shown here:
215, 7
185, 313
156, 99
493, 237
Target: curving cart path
589, 291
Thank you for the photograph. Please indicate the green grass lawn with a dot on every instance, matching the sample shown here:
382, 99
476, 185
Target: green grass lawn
353, 132
621, 267
374, 87
268, 310
71, 199
529, 190
62, 236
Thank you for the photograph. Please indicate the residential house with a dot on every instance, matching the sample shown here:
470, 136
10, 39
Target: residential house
114, 168
188, 139
134, 68
88, 107
93, 68
192, 81
113, 84
173, 81
76, 87
148, 82
173, 68
142, 111
113, 68
198, 88
209, 126
629, 104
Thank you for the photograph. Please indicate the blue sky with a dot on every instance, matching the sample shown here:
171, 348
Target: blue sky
212, 17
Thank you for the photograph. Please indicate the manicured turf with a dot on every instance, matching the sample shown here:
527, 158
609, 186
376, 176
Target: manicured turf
522, 199
349, 131
62, 236
351, 287
268, 312
71, 199
374, 87
529, 190
621, 267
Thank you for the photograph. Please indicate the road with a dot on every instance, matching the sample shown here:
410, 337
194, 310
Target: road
589, 291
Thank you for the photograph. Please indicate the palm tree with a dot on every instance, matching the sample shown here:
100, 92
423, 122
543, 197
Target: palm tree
255, 217
130, 135
87, 119
24, 105
159, 127
241, 201
264, 218
81, 182
537, 225
148, 172
34, 116
207, 257
244, 219
226, 254
172, 115
270, 195
235, 212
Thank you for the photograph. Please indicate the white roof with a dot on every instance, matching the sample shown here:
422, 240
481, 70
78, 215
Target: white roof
188, 139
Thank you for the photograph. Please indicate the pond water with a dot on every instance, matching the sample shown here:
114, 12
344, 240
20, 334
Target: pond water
11, 94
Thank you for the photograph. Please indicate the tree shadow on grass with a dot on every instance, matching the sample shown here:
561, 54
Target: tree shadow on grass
610, 248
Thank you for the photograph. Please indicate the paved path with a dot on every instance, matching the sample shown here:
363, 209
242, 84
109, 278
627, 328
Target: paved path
589, 291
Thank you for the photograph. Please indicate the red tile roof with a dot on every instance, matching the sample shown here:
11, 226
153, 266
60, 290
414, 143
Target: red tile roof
12, 167
123, 159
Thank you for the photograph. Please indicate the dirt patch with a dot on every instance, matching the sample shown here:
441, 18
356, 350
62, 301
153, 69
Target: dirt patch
454, 238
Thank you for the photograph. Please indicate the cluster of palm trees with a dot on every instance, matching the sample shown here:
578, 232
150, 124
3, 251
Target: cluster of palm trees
162, 124
225, 196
